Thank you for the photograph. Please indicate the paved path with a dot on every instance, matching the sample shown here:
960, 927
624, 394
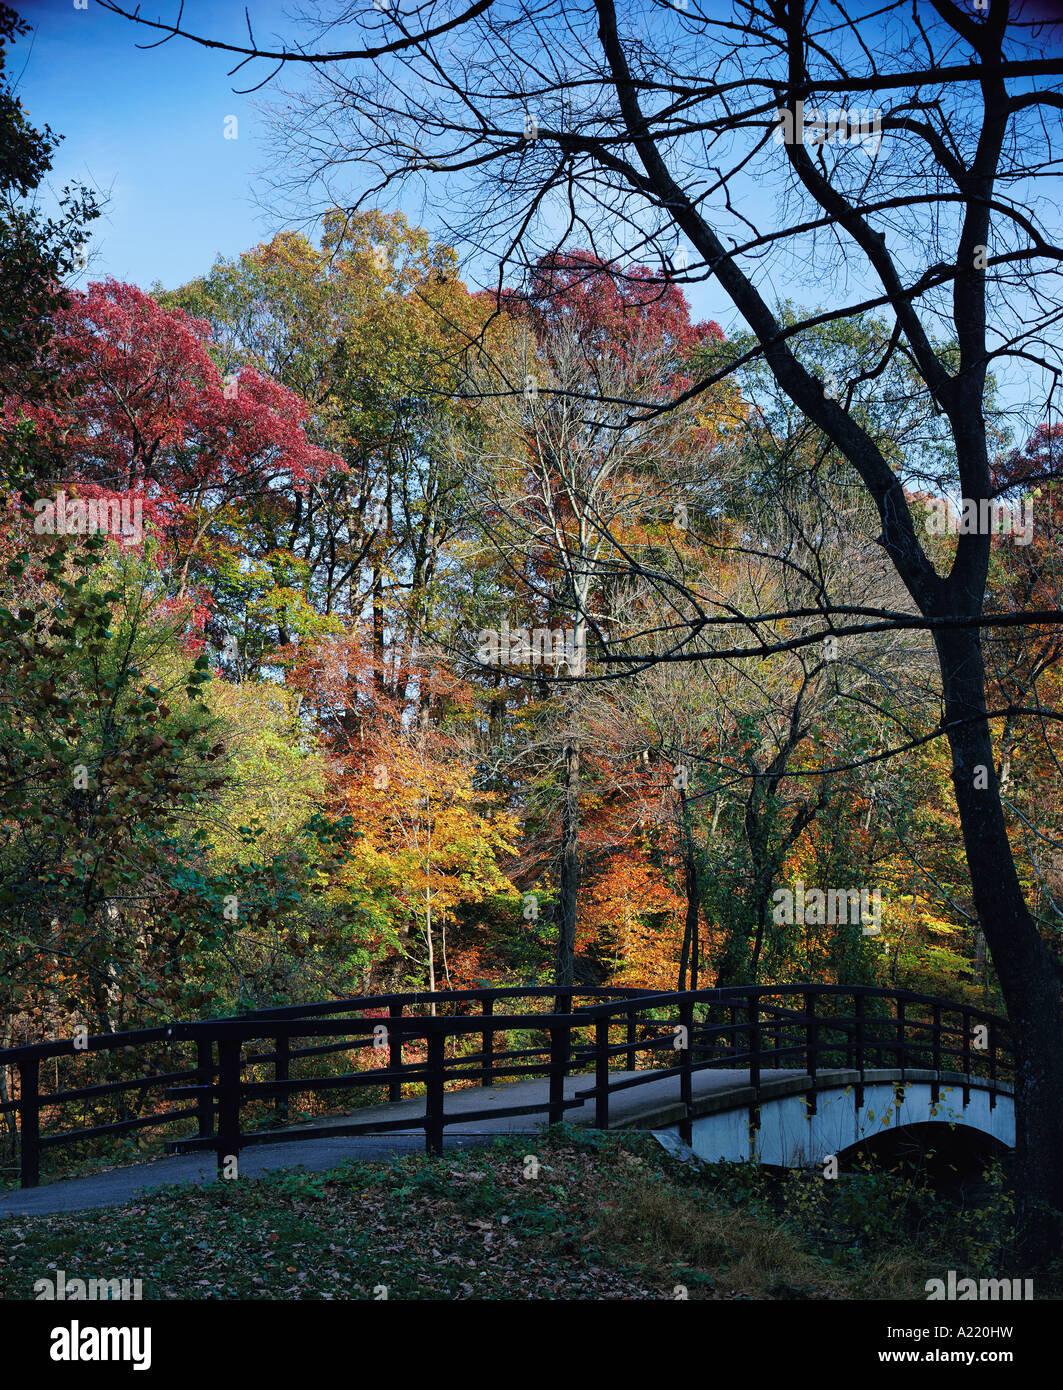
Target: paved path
119, 1185
650, 1104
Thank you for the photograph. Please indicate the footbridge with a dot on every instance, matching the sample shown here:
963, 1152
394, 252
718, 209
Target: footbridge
782, 1074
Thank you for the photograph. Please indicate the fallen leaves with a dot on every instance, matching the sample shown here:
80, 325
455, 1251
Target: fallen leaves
467, 1227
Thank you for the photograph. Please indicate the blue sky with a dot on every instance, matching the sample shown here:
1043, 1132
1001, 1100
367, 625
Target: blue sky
147, 128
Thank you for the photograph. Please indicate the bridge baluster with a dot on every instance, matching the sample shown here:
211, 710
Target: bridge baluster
487, 1044
601, 1071
29, 1121
228, 1145
395, 1051
282, 1056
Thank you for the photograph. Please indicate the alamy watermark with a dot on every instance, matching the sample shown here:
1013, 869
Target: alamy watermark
85, 516
559, 648
77, 1343
981, 517
963, 1290
855, 127
832, 907
61, 1289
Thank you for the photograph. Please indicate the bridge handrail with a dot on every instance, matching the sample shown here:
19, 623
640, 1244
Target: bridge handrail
61, 1047
412, 997
769, 1029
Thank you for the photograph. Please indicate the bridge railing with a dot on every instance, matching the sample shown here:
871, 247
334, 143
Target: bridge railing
234, 1079
76, 1094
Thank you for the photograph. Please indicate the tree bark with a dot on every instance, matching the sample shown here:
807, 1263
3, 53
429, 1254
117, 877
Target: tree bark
378, 626
568, 887
690, 874
1028, 978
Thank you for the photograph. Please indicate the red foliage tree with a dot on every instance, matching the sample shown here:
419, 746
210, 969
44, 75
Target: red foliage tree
636, 318
140, 410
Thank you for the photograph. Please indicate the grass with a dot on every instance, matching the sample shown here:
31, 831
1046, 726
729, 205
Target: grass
594, 1216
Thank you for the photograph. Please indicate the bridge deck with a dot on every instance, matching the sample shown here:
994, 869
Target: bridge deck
812, 1029
647, 1106
651, 1105
644, 1106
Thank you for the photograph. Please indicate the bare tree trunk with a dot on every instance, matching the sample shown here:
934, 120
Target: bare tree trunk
378, 626
443, 948
568, 888
689, 954
431, 952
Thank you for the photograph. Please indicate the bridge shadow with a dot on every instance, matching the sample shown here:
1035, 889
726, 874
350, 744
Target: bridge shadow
952, 1158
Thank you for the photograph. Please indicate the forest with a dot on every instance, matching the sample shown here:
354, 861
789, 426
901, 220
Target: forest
332, 716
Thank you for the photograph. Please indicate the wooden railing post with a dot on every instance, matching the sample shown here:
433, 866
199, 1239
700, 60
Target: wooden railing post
29, 1121
709, 1032
899, 1046
631, 1059
434, 1093
205, 1078
850, 1042
937, 1036
559, 1049
753, 1019
935, 1042
601, 1072
228, 1137
858, 1011
753, 1048
487, 1045
811, 1037
965, 1024
811, 1050
686, 1087
395, 1051
282, 1057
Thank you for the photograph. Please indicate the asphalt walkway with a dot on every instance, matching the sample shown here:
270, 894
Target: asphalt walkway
647, 1105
